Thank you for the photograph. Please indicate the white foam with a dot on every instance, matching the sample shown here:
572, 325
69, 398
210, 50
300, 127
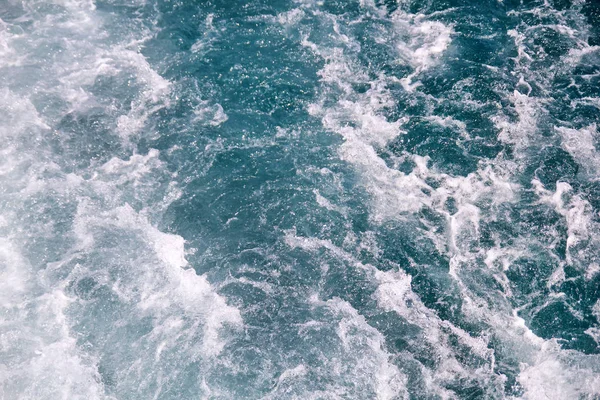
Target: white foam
358, 337
40, 357
549, 378
325, 203
19, 116
355, 364
209, 33
212, 115
104, 215
13, 275
291, 18
9, 56
87, 52
427, 41
449, 122
578, 215
519, 38
396, 194
580, 143
162, 288
521, 132
394, 293
154, 95
359, 119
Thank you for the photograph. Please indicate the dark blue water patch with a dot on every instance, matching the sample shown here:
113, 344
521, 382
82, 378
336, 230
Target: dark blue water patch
555, 165
455, 74
529, 276
551, 42
591, 193
591, 10
581, 292
441, 145
558, 321
258, 93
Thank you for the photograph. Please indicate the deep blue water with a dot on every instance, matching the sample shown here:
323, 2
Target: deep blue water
299, 199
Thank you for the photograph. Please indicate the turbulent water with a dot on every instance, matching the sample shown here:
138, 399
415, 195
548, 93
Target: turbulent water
299, 199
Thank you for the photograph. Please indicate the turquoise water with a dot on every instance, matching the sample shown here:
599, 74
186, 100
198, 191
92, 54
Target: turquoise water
299, 199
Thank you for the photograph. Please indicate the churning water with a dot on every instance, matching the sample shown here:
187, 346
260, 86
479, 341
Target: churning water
299, 199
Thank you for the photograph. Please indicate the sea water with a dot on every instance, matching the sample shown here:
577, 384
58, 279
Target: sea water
299, 199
